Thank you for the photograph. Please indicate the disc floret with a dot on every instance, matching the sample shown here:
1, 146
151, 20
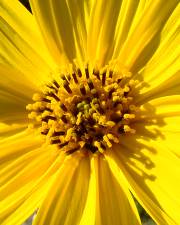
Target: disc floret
85, 109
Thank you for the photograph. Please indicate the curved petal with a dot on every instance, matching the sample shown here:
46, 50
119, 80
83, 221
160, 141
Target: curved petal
160, 118
102, 26
145, 34
129, 15
149, 159
64, 27
25, 175
15, 93
21, 45
113, 203
109, 26
24, 184
7, 130
64, 203
160, 77
154, 186
12, 147
167, 44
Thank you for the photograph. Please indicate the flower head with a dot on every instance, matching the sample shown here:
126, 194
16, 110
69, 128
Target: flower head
90, 112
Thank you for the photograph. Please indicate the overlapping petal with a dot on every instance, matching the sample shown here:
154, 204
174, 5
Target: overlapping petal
64, 27
109, 201
25, 175
144, 36
65, 201
149, 159
22, 44
15, 93
160, 119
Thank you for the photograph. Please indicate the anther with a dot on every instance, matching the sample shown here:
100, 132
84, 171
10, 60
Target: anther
53, 88
66, 86
69, 77
72, 150
55, 141
45, 119
63, 107
58, 133
82, 89
75, 78
51, 94
64, 119
63, 144
56, 84
90, 84
119, 80
45, 109
110, 74
79, 72
103, 78
110, 93
87, 73
63, 77
96, 73
46, 100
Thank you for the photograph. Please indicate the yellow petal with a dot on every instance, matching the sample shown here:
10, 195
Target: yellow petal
65, 201
161, 74
15, 93
16, 51
24, 25
18, 144
8, 130
129, 15
89, 213
29, 179
63, 25
106, 196
102, 27
160, 118
28, 207
152, 173
146, 32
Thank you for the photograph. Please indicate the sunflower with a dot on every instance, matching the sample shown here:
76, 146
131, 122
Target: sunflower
90, 112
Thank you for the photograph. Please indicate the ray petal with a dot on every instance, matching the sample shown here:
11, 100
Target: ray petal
64, 27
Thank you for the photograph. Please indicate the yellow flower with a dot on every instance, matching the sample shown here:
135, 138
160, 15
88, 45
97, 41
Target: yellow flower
89, 111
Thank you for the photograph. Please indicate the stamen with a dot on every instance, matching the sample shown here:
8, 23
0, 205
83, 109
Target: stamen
55, 141
86, 111
87, 73
51, 94
58, 133
66, 86
64, 144
90, 84
75, 78
63, 107
64, 119
96, 73
56, 84
103, 78
45, 119
79, 72
82, 89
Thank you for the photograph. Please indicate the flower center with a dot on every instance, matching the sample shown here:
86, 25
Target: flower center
86, 109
